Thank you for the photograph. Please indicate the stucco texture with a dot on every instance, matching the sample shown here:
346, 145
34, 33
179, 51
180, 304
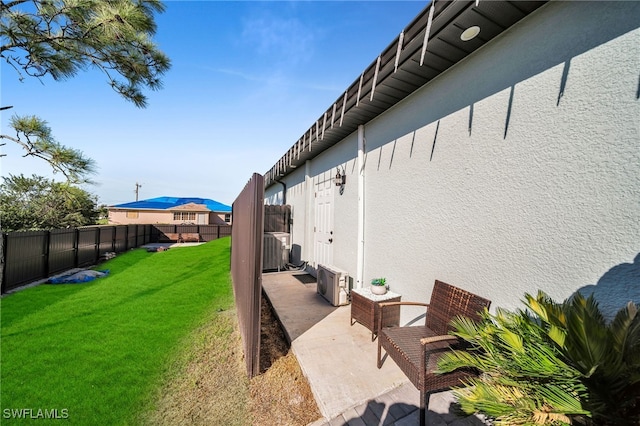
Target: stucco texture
516, 170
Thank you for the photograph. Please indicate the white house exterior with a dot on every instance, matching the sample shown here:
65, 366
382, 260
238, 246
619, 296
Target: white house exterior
516, 169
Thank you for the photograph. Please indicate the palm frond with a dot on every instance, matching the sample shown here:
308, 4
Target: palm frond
512, 341
625, 328
564, 400
586, 341
545, 416
450, 361
466, 329
554, 363
557, 334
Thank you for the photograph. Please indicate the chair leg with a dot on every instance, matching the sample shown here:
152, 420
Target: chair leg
424, 406
379, 353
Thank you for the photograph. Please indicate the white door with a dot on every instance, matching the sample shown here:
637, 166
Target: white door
323, 227
202, 218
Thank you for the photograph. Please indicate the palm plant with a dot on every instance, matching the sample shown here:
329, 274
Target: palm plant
606, 354
552, 364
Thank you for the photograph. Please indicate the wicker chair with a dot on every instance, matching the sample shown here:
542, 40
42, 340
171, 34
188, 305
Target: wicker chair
416, 349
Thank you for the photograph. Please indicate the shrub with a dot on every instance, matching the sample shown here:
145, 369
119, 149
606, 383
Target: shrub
554, 363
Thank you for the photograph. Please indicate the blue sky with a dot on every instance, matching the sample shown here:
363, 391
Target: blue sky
247, 80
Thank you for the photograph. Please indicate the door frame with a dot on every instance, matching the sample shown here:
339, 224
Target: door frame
323, 215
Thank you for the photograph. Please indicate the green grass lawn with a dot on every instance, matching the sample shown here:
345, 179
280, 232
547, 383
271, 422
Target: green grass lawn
97, 352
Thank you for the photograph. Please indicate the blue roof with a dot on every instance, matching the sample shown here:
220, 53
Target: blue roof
165, 203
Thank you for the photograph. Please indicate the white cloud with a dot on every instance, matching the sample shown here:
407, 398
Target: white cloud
286, 40
278, 78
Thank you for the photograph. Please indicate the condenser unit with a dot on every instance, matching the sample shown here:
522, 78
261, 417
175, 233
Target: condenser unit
333, 284
275, 250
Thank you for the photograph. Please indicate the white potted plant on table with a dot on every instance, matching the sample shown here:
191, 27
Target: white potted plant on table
379, 286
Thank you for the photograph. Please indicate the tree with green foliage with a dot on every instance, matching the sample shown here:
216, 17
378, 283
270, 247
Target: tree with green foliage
59, 38
34, 135
553, 364
29, 203
103, 214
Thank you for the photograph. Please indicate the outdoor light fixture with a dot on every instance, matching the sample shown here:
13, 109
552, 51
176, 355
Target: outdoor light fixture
340, 179
470, 33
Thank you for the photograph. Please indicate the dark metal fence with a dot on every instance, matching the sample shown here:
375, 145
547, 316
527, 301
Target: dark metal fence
30, 256
207, 232
246, 267
27, 261
61, 250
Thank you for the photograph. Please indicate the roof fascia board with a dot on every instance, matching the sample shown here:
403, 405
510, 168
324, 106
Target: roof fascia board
368, 96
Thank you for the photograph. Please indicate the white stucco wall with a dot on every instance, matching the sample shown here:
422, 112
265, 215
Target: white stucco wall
300, 195
516, 170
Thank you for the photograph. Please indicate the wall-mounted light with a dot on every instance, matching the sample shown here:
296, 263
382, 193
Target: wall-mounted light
470, 33
340, 178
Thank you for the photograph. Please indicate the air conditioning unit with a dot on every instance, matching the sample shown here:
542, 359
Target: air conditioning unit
275, 250
333, 284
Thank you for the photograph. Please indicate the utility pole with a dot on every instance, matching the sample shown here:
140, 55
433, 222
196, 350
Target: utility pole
138, 186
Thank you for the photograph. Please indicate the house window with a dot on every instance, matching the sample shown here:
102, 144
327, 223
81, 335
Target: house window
132, 214
227, 217
184, 216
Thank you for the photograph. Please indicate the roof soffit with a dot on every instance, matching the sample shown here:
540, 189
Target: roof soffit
398, 71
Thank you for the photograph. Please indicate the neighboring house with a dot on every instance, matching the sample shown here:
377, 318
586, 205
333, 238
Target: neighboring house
171, 210
504, 164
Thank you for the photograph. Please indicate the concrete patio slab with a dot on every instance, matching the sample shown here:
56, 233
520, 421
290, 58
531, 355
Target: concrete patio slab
297, 304
339, 361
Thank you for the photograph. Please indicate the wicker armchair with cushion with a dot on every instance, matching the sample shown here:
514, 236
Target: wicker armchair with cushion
416, 349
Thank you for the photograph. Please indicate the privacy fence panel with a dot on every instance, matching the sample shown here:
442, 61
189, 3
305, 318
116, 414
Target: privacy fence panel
213, 232
25, 258
132, 236
183, 229
87, 246
120, 241
62, 250
277, 218
107, 240
207, 232
144, 235
35, 255
246, 267
159, 232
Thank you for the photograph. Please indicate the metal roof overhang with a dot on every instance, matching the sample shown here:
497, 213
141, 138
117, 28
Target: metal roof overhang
402, 68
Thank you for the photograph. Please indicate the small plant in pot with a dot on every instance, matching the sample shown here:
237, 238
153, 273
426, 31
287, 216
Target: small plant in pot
379, 286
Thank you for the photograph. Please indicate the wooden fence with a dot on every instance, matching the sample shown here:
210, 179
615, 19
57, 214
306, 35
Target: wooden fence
30, 256
277, 218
